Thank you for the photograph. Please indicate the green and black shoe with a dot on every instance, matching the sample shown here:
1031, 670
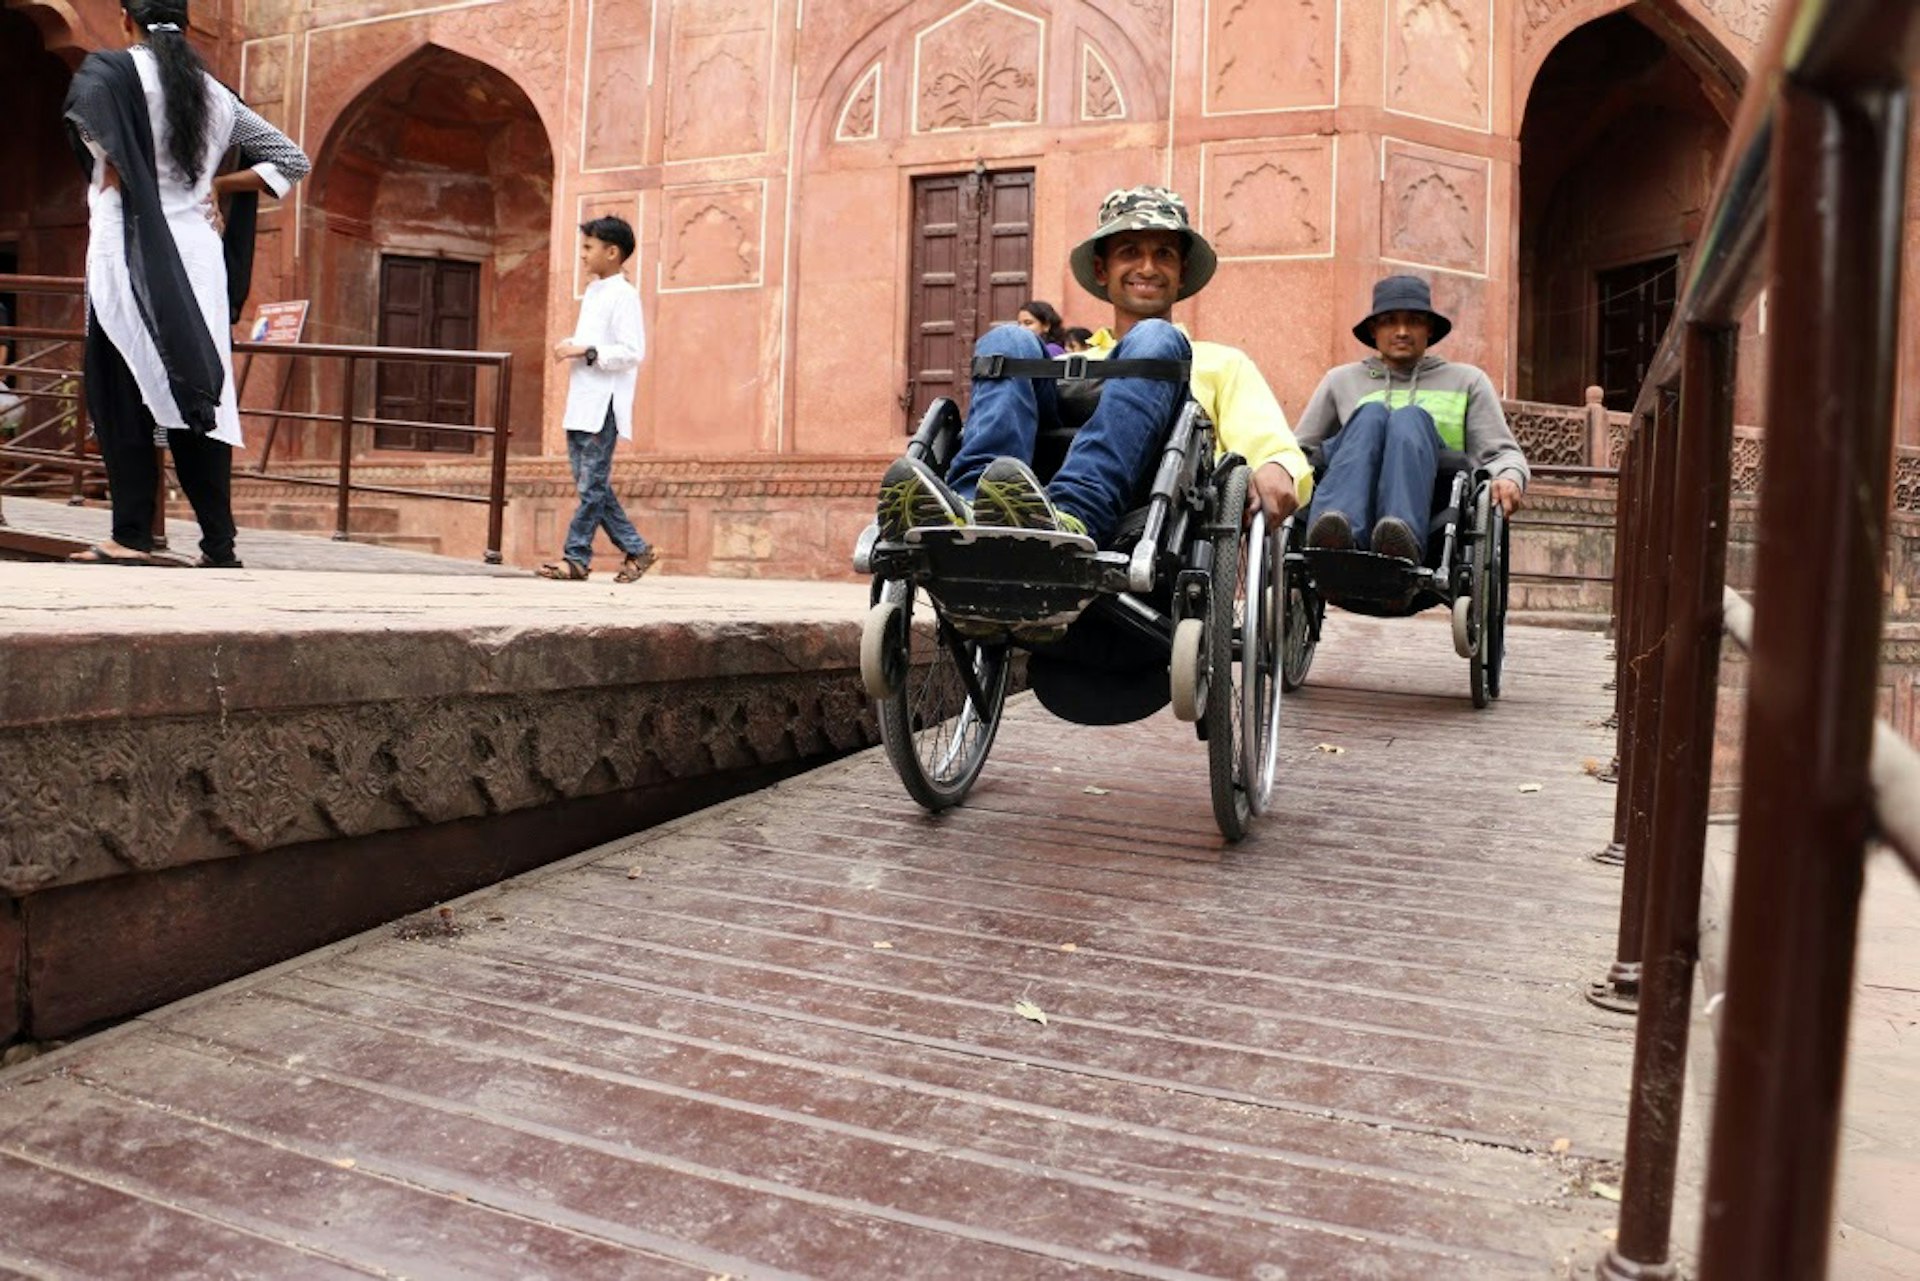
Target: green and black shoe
1012, 497
912, 496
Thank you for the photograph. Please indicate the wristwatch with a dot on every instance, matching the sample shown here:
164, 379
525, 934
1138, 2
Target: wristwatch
593, 355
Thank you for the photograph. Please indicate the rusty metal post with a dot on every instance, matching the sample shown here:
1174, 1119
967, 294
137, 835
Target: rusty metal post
1683, 769
1640, 652
497, 484
160, 499
346, 452
1625, 531
1805, 799
81, 424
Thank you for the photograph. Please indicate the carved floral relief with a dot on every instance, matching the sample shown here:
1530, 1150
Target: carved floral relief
978, 66
1437, 60
1100, 97
1273, 201
860, 114
712, 236
720, 60
1270, 55
1434, 209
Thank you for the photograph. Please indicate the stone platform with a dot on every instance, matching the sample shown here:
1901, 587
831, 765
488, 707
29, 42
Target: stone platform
206, 771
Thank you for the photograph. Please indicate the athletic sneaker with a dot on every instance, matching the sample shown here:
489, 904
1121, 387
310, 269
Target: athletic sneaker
911, 496
1331, 531
1011, 496
1394, 537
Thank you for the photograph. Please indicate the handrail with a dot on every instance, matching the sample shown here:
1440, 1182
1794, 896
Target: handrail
1814, 181
82, 465
1895, 765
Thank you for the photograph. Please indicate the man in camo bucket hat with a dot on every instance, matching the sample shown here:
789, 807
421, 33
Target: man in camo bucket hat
1145, 209
1143, 257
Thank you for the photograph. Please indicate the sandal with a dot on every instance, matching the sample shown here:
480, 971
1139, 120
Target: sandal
634, 567
566, 571
231, 562
98, 555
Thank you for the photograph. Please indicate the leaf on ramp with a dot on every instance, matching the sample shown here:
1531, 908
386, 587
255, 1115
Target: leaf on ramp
1028, 1010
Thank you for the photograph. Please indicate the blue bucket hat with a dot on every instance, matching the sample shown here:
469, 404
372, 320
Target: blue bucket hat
1402, 293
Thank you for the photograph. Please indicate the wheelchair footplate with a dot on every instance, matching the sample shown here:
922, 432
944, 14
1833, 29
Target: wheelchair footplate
1368, 581
1013, 577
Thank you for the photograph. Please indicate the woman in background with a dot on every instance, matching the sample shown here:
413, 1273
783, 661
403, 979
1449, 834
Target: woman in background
150, 124
1043, 322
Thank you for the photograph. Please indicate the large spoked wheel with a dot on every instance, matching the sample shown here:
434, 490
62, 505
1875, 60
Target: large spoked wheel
945, 697
1487, 610
1221, 708
1259, 678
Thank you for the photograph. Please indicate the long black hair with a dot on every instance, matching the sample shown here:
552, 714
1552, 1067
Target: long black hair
1045, 313
183, 79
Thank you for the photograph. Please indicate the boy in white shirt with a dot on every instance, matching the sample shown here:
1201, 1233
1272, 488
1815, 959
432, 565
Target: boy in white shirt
605, 349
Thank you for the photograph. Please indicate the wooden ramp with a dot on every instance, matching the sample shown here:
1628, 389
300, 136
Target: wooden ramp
780, 1037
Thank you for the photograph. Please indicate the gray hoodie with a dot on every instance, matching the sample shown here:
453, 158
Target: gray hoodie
1466, 411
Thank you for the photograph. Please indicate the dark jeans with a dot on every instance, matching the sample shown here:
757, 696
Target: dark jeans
124, 427
1111, 451
591, 456
1380, 464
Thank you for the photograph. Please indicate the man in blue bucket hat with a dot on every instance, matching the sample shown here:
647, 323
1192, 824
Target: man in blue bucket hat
1381, 422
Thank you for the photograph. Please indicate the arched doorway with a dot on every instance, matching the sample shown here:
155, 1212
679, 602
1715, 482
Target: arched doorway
1619, 151
428, 224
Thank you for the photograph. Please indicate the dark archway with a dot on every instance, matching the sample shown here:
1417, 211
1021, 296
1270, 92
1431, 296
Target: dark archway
442, 160
1619, 151
43, 204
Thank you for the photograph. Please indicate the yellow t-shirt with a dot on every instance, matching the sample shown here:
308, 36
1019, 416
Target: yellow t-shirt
1246, 416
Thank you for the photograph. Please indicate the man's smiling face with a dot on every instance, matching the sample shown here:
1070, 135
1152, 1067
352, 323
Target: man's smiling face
1141, 271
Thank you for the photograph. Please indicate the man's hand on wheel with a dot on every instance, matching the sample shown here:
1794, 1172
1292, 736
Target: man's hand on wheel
1273, 492
1506, 492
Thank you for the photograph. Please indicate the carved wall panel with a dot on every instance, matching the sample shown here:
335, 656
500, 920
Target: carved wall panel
1270, 55
621, 204
980, 65
263, 76
617, 99
860, 114
1100, 96
1433, 208
1271, 201
1437, 60
153, 794
720, 61
1906, 481
1553, 435
712, 236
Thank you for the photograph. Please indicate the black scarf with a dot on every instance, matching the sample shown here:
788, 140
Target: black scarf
107, 101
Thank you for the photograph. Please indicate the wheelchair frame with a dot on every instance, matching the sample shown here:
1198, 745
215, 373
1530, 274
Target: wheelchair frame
1471, 579
940, 683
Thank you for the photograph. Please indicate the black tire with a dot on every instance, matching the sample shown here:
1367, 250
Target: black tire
1301, 623
1497, 605
1225, 762
1259, 680
1483, 593
935, 738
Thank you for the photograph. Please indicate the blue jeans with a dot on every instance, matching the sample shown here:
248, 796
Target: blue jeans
1381, 464
1111, 452
591, 456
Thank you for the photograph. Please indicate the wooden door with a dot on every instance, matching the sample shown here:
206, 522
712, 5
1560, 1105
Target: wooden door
1636, 302
427, 302
972, 268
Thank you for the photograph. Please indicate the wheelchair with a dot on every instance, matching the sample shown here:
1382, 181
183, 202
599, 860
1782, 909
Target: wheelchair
1189, 596
1465, 570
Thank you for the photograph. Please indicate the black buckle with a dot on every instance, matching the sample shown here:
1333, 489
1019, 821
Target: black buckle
1076, 367
989, 366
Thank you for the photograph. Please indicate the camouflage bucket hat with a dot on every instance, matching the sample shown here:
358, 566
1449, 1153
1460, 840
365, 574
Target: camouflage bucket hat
1145, 209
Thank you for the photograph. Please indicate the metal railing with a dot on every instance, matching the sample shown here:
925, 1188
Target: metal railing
1810, 201
74, 458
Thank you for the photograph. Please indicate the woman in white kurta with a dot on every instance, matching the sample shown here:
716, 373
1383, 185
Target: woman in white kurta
134, 389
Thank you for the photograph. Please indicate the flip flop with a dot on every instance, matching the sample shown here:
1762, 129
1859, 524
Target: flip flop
98, 555
566, 571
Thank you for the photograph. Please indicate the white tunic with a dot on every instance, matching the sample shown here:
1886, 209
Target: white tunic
186, 206
610, 323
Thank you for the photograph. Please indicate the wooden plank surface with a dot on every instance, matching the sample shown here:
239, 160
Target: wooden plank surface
778, 1038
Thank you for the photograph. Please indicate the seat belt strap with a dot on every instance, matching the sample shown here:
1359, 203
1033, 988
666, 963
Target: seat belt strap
1077, 368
